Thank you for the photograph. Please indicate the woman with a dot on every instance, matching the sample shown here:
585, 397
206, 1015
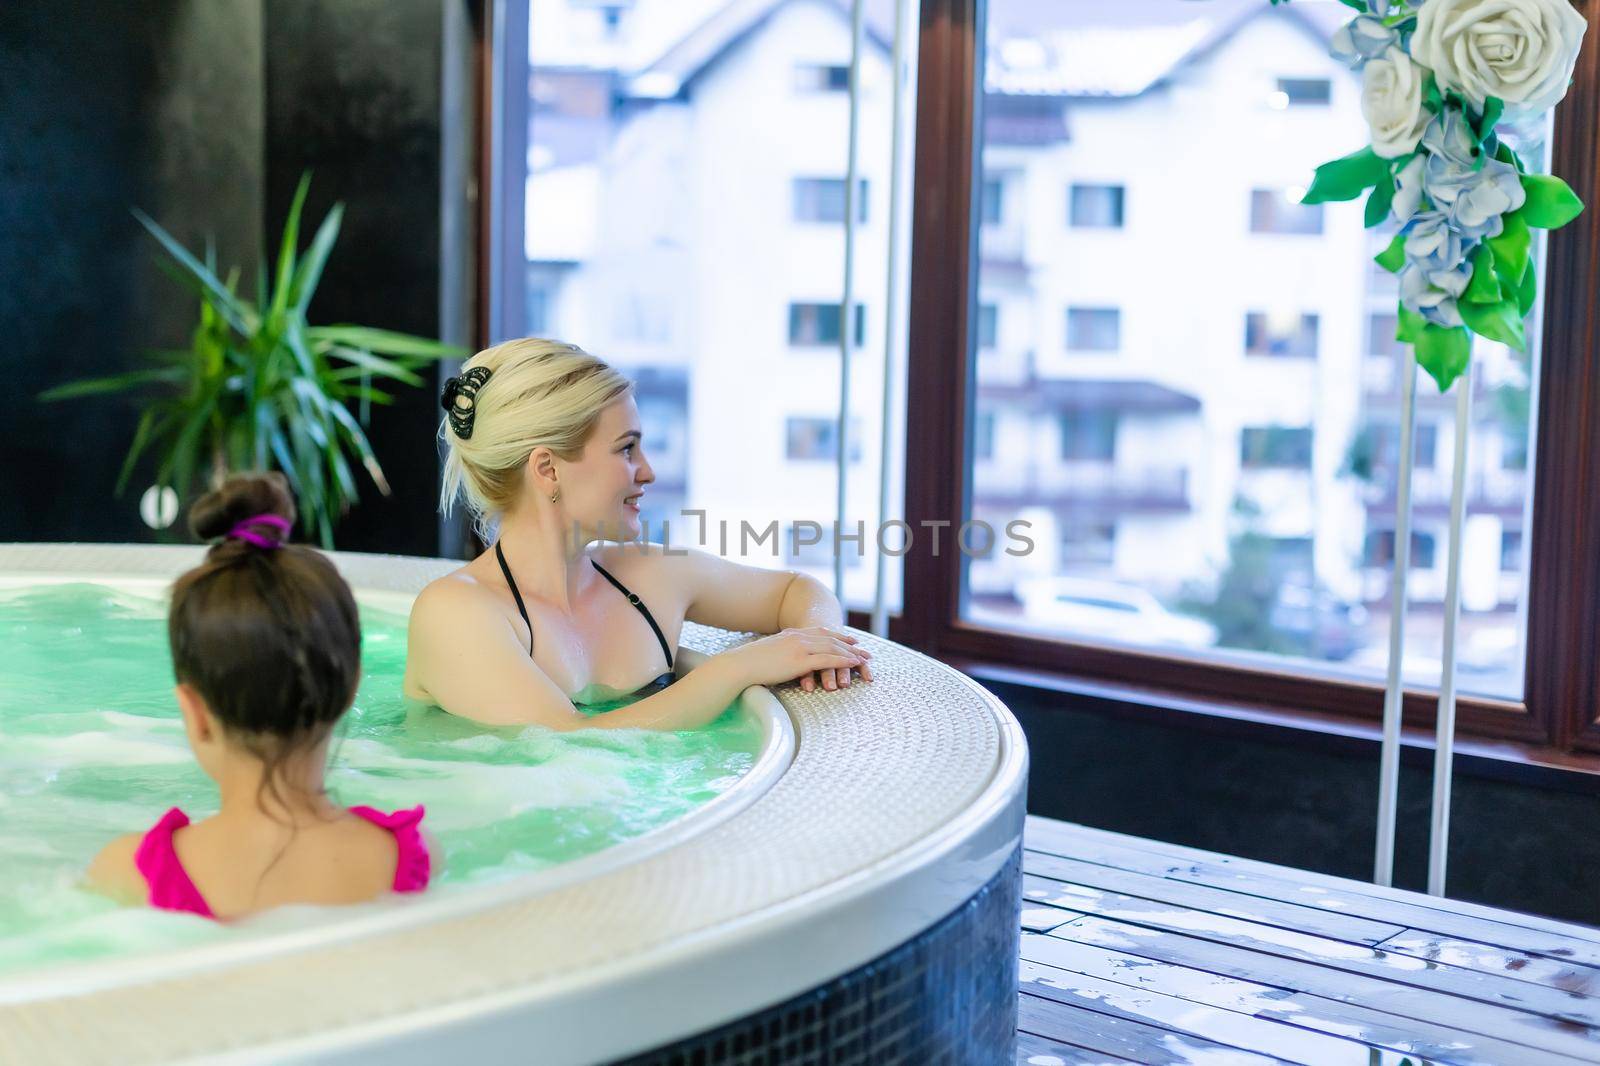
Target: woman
544, 438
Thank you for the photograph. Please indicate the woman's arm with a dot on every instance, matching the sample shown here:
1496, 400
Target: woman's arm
734, 596
114, 874
470, 662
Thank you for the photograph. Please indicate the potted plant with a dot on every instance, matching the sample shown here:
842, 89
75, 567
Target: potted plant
259, 387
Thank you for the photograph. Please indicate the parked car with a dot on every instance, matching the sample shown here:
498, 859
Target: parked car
1321, 624
1110, 609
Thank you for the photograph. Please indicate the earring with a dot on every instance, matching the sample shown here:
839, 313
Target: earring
554, 496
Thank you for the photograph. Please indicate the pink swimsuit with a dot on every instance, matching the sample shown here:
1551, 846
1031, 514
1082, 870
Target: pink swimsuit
171, 889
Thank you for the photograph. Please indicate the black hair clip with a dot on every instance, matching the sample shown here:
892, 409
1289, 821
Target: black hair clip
460, 399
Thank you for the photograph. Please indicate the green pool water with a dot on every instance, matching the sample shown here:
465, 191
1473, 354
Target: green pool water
91, 747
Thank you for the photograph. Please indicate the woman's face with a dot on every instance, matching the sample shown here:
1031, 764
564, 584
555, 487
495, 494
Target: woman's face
601, 490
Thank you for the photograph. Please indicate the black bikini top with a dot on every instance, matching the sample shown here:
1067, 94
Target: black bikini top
516, 594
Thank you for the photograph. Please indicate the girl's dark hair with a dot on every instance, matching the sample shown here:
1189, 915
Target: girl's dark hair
268, 635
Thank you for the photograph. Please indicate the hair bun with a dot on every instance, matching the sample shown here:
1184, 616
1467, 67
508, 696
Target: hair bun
241, 497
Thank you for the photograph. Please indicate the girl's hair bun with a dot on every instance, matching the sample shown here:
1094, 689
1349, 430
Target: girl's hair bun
244, 496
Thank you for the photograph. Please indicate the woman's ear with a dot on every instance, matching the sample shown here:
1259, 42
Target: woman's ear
542, 470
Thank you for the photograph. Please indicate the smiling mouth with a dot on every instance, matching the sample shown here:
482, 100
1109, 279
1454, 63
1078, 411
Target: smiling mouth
633, 500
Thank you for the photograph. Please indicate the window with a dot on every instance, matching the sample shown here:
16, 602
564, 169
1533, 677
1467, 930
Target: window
1096, 206
1094, 329
1511, 551
822, 200
1088, 436
811, 438
1275, 447
993, 201
1274, 211
1280, 335
1303, 92
983, 436
821, 78
1380, 549
1089, 545
818, 324
988, 326
1380, 335
538, 310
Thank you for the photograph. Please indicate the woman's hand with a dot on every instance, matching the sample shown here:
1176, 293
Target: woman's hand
836, 679
800, 653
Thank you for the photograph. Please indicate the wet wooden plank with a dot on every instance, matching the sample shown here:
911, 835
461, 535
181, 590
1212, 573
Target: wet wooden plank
1419, 1005
1340, 955
1295, 885
1126, 1039
1229, 1028
1332, 924
1037, 1051
1532, 934
1301, 1010
1537, 969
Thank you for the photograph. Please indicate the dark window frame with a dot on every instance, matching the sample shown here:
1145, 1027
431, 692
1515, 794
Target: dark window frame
1559, 715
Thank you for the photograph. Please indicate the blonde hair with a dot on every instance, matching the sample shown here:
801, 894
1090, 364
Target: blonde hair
540, 393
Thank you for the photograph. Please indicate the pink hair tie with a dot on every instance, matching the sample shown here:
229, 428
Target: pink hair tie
242, 531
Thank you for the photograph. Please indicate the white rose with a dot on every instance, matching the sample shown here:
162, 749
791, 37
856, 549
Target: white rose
1521, 51
1391, 100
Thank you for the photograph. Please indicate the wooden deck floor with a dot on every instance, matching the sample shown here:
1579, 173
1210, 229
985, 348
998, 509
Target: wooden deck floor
1137, 951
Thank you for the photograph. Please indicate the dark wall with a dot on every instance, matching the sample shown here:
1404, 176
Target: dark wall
204, 113
1524, 845
106, 105
354, 96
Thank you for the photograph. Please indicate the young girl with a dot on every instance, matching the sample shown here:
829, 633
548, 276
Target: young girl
266, 647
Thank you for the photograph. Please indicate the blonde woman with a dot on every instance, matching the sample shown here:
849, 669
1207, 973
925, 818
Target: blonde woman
544, 443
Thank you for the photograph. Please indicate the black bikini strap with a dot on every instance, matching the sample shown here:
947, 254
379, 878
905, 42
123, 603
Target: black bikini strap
516, 594
637, 602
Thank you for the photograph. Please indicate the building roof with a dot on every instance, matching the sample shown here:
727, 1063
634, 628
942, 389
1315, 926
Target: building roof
1095, 48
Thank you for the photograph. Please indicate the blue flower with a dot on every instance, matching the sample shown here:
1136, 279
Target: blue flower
1363, 38
1471, 188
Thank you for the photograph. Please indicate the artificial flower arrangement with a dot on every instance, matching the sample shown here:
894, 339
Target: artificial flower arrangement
1438, 78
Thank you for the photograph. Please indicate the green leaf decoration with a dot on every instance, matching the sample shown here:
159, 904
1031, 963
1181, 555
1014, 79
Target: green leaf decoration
1511, 249
1504, 153
1379, 202
1527, 291
1483, 124
1500, 321
1551, 201
1393, 257
1484, 288
1347, 177
1409, 326
1443, 352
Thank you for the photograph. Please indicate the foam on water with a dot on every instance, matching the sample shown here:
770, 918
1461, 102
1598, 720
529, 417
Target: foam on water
91, 747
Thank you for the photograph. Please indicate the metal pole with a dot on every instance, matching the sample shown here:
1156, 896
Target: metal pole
891, 307
1394, 682
846, 302
1445, 736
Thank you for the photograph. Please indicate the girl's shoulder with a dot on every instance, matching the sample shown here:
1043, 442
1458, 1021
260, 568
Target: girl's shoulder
114, 872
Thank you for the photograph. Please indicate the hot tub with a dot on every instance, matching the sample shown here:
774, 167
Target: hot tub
856, 893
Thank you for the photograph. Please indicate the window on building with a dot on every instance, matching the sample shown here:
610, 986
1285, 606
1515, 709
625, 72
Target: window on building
1293, 336
1274, 211
822, 200
811, 437
1380, 335
1096, 206
1379, 551
1094, 329
821, 78
1088, 435
1275, 448
1306, 92
1511, 550
988, 326
993, 201
983, 436
812, 324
